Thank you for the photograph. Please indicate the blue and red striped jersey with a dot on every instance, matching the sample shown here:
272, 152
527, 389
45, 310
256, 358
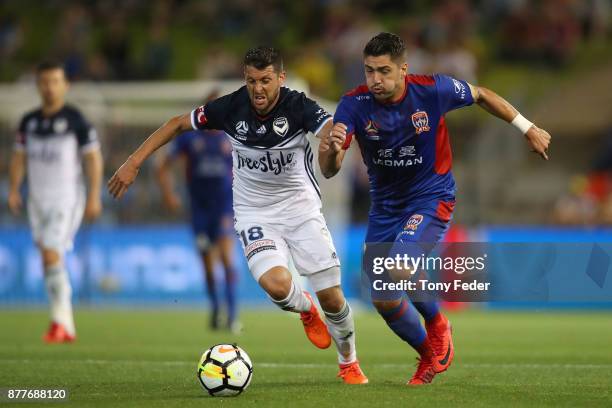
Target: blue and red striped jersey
405, 144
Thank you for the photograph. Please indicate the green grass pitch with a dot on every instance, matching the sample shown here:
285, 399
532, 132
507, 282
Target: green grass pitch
148, 359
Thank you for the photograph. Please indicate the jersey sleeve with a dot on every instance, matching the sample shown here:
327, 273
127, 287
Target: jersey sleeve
344, 115
86, 134
20, 137
452, 93
314, 116
212, 115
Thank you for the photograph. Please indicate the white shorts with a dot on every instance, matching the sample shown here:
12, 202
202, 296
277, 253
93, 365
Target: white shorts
305, 240
54, 224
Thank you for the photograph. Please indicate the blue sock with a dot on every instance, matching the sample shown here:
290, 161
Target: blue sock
405, 322
428, 310
230, 294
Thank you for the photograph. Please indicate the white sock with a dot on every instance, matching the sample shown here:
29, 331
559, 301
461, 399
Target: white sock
341, 327
296, 301
60, 296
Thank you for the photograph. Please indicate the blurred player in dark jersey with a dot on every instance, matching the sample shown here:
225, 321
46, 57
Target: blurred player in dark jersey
398, 121
207, 156
54, 143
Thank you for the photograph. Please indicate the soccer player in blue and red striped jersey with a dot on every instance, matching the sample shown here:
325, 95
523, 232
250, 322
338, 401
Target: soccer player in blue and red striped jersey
398, 122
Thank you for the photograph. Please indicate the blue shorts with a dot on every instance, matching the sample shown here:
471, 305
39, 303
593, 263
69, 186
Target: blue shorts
414, 232
209, 223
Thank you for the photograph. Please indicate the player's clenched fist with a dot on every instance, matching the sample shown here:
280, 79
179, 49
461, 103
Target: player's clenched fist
539, 139
336, 138
122, 179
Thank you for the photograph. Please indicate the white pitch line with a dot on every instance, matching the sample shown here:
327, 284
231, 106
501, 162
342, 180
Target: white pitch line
308, 365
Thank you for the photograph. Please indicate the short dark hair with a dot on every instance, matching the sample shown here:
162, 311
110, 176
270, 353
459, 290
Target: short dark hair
48, 66
262, 57
386, 44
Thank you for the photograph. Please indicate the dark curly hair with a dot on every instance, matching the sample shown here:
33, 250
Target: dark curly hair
386, 44
261, 57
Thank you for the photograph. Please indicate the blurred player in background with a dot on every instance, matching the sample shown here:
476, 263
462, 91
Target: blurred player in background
51, 141
398, 121
208, 160
276, 197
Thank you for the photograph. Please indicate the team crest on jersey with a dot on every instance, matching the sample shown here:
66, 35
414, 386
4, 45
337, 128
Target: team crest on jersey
281, 126
371, 131
420, 121
413, 223
60, 125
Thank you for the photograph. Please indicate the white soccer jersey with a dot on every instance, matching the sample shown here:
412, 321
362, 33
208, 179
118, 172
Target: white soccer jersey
272, 158
53, 147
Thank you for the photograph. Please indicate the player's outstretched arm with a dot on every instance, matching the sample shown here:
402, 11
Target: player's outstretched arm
125, 175
166, 182
94, 169
331, 152
538, 139
16, 174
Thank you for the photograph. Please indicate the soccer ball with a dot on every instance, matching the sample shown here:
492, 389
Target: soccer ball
225, 370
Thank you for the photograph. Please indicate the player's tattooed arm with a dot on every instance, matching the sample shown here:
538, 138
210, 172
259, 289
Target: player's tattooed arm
538, 139
16, 175
331, 152
94, 169
126, 174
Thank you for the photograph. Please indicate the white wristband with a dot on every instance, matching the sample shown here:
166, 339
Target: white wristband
521, 123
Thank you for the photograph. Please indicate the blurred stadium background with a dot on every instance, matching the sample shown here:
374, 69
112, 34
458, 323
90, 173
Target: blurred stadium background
135, 63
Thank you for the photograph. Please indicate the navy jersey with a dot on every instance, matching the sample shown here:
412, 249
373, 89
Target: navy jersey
53, 146
405, 145
209, 165
273, 172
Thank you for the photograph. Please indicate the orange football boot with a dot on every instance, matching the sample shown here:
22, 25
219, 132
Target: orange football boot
315, 329
58, 334
351, 374
439, 333
424, 373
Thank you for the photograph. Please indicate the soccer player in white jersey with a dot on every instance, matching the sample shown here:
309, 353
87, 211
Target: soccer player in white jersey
50, 143
277, 205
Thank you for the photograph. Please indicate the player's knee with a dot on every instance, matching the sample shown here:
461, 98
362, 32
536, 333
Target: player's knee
331, 299
50, 257
383, 306
276, 282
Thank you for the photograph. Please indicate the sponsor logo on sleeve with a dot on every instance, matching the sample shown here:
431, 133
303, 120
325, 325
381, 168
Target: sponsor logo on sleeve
200, 116
459, 88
